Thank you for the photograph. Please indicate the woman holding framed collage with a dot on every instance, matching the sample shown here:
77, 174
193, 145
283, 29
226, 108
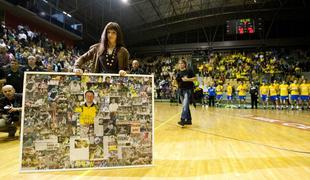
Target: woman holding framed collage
107, 56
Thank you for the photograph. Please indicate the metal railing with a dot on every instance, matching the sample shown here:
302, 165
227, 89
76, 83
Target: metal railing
50, 13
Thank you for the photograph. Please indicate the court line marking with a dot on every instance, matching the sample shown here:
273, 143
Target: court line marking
247, 141
165, 122
82, 175
199, 130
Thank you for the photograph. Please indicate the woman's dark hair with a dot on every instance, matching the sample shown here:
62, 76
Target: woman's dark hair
104, 36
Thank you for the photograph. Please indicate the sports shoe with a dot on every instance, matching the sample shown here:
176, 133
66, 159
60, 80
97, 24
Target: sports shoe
181, 123
188, 122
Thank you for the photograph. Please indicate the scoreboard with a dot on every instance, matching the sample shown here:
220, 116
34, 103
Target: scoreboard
240, 26
245, 26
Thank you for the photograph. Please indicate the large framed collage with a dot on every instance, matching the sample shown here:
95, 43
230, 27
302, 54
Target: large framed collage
93, 121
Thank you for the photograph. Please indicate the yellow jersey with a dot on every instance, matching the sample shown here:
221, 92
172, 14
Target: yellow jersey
277, 86
272, 90
219, 90
242, 90
294, 89
304, 89
88, 114
229, 90
264, 90
283, 90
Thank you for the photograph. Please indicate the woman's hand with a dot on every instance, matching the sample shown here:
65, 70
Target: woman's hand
185, 79
122, 73
13, 109
78, 72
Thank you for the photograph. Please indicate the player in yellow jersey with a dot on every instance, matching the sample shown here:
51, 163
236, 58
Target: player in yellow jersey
304, 93
284, 94
242, 89
273, 95
277, 86
88, 110
294, 89
264, 91
219, 94
309, 94
229, 91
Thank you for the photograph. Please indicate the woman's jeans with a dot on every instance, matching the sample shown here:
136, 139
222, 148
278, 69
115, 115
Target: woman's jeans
185, 95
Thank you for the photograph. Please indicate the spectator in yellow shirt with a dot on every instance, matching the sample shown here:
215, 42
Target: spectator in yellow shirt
304, 93
284, 94
294, 88
242, 89
264, 90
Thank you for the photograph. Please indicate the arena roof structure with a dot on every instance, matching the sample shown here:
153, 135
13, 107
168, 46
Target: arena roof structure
145, 20
183, 25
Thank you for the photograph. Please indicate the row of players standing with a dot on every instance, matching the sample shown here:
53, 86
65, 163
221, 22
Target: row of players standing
185, 79
280, 95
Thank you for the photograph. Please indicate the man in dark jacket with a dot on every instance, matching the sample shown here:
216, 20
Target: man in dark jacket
14, 76
254, 95
185, 78
10, 106
135, 68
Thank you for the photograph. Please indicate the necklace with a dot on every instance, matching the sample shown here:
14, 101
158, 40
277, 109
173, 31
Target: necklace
110, 58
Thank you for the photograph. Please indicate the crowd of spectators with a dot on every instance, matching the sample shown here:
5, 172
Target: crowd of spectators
22, 49
253, 65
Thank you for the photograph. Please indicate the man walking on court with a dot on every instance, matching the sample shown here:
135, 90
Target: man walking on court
185, 78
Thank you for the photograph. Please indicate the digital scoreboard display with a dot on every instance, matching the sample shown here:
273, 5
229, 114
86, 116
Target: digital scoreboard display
245, 26
240, 26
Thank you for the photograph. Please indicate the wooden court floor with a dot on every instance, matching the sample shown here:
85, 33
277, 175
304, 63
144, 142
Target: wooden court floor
221, 144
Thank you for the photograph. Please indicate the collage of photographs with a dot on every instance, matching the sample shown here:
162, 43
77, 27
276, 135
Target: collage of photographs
88, 121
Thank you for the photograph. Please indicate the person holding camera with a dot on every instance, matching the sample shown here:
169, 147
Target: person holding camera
10, 109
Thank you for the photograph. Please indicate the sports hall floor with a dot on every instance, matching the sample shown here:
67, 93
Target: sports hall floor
221, 144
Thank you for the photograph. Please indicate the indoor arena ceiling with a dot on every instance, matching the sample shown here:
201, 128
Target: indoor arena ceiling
144, 17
